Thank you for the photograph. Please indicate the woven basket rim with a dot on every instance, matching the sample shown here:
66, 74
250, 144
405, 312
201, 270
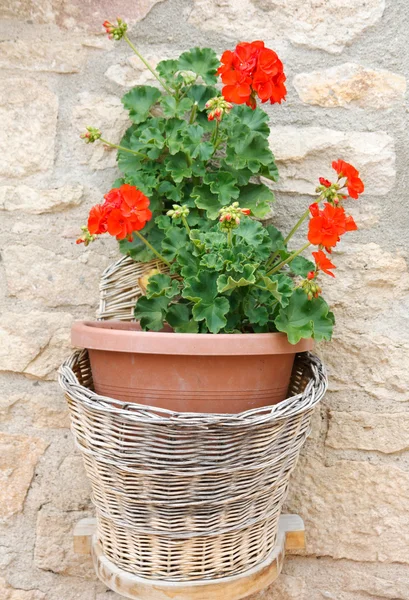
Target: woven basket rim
294, 405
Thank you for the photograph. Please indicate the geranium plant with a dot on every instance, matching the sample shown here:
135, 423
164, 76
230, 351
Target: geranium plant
191, 196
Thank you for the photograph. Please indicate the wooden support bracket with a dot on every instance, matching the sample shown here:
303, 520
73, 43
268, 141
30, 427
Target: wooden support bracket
290, 536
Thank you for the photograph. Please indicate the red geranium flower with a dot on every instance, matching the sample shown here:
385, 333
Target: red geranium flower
113, 199
135, 206
125, 210
327, 225
323, 263
249, 70
353, 182
118, 224
97, 220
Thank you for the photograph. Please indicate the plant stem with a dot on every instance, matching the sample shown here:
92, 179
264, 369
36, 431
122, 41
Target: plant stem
147, 65
301, 220
193, 114
288, 260
297, 226
293, 230
135, 152
145, 241
230, 237
186, 224
215, 133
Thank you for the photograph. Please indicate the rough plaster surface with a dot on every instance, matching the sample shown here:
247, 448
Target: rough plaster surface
347, 69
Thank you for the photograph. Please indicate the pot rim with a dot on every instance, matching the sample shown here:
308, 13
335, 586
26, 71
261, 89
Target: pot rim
120, 336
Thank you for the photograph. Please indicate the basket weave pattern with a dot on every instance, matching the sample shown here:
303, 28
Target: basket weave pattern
185, 496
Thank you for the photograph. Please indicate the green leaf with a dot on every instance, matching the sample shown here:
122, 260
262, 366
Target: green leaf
212, 313
248, 148
256, 313
145, 181
179, 317
194, 144
304, 318
167, 70
188, 262
241, 175
151, 312
203, 287
127, 162
285, 287
301, 266
118, 182
225, 283
152, 136
257, 197
208, 126
196, 237
223, 184
272, 286
201, 94
170, 190
270, 171
178, 166
176, 238
174, 130
202, 61
163, 222
252, 232
277, 239
206, 200
174, 108
212, 261
162, 285
235, 258
137, 249
256, 120
139, 101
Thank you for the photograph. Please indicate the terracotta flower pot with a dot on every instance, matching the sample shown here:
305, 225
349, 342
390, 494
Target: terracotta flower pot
188, 372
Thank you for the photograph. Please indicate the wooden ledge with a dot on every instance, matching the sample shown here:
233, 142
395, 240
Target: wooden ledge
290, 536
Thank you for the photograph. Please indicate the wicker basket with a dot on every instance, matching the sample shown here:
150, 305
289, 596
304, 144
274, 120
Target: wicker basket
180, 496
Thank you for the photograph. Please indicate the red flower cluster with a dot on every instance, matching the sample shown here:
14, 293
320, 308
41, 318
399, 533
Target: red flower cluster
115, 31
354, 184
326, 226
250, 70
125, 210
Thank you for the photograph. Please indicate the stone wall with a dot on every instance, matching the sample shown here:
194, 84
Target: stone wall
346, 63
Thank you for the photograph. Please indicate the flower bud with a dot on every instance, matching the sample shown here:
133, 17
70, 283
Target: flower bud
91, 135
311, 275
178, 212
230, 216
117, 31
324, 182
86, 237
217, 106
